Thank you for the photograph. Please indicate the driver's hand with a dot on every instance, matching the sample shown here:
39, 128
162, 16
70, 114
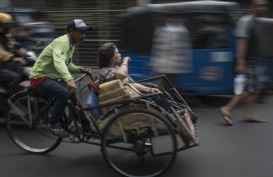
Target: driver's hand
71, 85
19, 60
86, 70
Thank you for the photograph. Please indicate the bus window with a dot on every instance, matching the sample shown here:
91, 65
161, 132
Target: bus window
209, 31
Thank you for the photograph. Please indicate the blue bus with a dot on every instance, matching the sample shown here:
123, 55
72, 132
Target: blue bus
213, 51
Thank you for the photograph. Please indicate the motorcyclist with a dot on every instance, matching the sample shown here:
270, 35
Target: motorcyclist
11, 57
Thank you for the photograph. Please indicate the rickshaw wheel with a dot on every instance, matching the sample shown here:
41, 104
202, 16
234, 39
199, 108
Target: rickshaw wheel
27, 130
139, 143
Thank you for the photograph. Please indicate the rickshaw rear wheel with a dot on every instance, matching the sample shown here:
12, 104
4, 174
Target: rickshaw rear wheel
139, 142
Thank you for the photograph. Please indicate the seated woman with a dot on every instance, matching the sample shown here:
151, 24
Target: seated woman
109, 60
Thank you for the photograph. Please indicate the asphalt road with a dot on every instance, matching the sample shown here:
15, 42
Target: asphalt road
242, 150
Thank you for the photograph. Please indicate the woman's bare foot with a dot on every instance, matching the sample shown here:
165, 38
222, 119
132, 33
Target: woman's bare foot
226, 115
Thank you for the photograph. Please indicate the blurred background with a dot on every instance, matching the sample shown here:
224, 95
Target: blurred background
39, 21
103, 14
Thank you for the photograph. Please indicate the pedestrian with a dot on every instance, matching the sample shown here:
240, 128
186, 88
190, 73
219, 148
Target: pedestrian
51, 74
250, 61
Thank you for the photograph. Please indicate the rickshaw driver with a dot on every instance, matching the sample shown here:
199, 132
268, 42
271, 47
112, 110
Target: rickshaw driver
51, 73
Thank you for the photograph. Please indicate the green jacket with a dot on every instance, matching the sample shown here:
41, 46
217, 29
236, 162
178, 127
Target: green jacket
55, 61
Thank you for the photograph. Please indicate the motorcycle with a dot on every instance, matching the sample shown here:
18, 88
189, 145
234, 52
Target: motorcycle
30, 57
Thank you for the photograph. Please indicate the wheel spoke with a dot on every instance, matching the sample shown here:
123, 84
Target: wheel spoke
18, 110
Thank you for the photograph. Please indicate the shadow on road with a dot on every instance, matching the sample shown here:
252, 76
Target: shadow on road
206, 101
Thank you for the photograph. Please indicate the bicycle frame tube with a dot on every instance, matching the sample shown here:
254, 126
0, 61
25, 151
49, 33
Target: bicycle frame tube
18, 111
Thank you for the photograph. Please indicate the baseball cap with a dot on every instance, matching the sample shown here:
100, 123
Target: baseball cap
77, 24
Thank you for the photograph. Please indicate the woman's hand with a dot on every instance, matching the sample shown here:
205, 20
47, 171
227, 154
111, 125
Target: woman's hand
126, 59
154, 90
145, 89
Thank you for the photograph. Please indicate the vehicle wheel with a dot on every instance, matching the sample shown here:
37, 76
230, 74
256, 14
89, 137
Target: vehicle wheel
139, 143
26, 122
